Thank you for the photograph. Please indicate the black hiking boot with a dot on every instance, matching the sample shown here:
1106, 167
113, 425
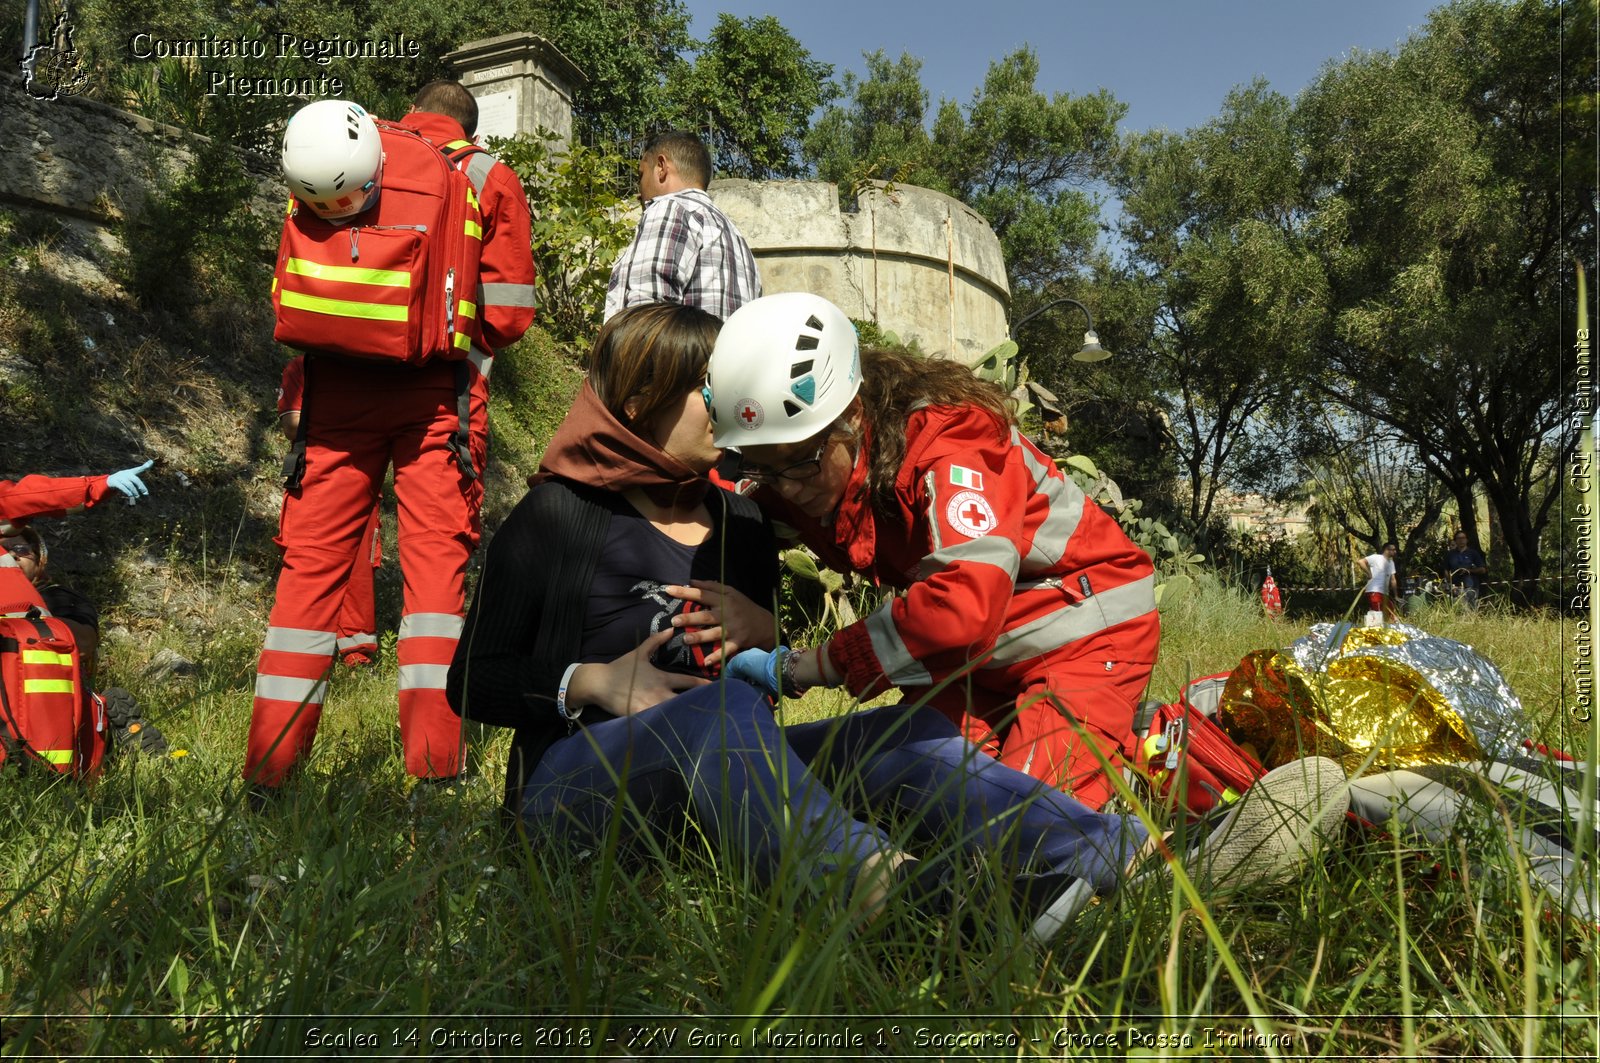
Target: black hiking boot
129, 731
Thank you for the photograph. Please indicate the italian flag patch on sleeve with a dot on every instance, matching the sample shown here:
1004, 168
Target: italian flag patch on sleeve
967, 478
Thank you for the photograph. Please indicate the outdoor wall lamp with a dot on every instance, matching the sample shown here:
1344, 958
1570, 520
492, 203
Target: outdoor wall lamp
1091, 351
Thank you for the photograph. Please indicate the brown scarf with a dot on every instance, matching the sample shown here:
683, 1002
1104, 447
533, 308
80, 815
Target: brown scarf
592, 447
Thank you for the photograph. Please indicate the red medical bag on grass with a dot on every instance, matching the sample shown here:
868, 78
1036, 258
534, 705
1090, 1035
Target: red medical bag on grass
1182, 741
46, 713
396, 283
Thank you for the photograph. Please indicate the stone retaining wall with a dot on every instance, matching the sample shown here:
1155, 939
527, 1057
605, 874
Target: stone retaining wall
93, 162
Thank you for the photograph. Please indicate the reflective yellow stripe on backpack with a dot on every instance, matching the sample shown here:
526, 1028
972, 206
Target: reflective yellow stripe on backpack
46, 657
385, 278
316, 304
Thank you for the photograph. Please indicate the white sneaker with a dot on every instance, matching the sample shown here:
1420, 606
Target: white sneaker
1051, 913
1278, 826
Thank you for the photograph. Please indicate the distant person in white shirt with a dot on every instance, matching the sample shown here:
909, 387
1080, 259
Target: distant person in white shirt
686, 250
1381, 584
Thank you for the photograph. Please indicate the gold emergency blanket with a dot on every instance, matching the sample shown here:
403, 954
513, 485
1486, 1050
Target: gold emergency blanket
1373, 699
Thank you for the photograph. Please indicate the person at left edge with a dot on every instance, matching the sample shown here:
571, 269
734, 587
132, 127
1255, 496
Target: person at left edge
53, 497
359, 418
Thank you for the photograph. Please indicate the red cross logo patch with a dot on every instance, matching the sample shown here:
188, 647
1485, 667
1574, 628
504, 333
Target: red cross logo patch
970, 514
748, 414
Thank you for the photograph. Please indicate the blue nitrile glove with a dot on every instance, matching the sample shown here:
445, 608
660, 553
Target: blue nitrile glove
127, 481
762, 669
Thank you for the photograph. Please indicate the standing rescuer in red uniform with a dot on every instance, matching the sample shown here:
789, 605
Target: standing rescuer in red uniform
1025, 614
362, 416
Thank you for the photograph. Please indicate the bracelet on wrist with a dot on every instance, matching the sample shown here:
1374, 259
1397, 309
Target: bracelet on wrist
788, 681
567, 712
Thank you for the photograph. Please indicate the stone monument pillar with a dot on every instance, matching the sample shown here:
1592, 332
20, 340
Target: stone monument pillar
521, 83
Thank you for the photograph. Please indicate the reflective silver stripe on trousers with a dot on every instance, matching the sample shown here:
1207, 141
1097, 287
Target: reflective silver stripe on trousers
994, 550
300, 640
1104, 609
1066, 501
289, 688
351, 641
430, 626
423, 676
500, 293
478, 167
481, 360
890, 649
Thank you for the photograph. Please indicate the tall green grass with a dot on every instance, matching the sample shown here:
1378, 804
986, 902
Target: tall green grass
155, 915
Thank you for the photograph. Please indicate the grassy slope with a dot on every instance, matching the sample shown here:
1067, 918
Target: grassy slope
157, 894
358, 895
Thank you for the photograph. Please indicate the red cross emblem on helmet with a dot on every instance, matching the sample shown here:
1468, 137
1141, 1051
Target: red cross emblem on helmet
749, 414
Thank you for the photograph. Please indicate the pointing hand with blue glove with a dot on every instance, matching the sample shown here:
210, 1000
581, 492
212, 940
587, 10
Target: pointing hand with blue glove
127, 481
762, 669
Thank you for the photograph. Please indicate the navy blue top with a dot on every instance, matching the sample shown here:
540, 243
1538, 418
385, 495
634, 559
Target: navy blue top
626, 603
1459, 559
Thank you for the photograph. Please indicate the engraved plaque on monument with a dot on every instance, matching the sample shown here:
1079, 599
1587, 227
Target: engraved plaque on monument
521, 82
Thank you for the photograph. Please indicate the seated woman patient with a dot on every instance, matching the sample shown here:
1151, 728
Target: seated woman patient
616, 711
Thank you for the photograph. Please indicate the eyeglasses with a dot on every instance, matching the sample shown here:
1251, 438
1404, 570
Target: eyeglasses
800, 470
20, 549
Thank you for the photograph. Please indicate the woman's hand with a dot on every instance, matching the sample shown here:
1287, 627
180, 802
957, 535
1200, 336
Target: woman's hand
630, 684
727, 619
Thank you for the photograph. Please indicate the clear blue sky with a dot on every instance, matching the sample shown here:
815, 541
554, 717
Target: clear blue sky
1170, 61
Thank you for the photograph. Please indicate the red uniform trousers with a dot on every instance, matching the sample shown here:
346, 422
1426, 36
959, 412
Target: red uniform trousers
1073, 722
360, 419
357, 626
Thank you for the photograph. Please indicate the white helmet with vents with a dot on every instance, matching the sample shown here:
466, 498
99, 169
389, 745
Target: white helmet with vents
784, 368
333, 158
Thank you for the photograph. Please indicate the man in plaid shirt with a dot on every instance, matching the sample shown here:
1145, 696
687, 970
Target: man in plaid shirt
685, 250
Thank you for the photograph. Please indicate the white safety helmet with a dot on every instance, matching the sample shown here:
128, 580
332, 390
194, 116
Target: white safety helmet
333, 158
783, 369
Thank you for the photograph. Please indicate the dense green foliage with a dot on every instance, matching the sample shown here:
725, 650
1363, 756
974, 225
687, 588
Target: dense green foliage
1226, 288
579, 226
1444, 216
627, 50
1022, 159
749, 95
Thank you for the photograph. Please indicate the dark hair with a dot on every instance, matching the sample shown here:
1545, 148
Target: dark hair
1388, 544
27, 534
687, 153
450, 99
655, 353
894, 385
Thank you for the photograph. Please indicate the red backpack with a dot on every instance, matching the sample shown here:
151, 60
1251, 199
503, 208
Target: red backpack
1182, 740
46, 713
397, 283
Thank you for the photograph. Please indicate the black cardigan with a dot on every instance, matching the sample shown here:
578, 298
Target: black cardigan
526, 621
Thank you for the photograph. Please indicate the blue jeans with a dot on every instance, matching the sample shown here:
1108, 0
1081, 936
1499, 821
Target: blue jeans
717, 754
